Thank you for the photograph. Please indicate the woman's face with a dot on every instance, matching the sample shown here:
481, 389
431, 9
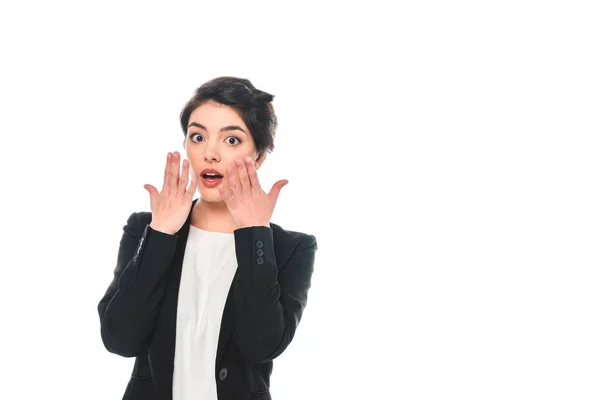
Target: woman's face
216, 137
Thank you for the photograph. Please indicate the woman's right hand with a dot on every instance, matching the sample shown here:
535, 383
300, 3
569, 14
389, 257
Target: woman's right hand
171, 207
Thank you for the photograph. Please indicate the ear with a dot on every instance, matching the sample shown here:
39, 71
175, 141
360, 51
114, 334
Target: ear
262, 159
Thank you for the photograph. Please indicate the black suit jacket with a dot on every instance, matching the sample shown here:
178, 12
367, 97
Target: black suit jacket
262, 311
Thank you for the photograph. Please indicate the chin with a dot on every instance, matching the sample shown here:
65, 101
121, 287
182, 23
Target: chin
211, 196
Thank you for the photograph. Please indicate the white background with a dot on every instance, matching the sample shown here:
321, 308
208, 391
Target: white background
445, 154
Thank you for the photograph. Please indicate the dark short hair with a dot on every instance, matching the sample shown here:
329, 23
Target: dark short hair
252, 105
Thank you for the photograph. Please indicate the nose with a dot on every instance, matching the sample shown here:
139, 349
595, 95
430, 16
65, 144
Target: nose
211, 153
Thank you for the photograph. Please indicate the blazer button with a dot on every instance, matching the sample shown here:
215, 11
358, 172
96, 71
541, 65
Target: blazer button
223, 374
259, 244
260, 261
259, 252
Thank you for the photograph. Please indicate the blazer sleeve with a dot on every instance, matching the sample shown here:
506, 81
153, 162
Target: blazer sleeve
269, 300
129, 307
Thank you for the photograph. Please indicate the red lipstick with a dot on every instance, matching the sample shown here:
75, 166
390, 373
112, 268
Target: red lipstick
210, 177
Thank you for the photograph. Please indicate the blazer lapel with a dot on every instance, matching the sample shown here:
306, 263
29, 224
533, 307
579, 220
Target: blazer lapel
162, 350
228, 319
227, 324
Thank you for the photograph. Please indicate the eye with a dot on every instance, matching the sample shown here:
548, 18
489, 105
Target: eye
195, 134
235, 138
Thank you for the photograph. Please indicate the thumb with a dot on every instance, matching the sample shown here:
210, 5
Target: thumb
274, 192
152, 190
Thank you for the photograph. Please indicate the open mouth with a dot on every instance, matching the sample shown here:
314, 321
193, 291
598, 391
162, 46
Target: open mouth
212, 176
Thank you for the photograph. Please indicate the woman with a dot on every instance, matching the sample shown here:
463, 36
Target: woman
206, 293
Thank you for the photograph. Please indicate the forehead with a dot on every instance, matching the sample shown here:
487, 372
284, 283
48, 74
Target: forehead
215, 116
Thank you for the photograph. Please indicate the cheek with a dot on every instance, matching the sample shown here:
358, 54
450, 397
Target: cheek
194, 161
193, 171
243, 154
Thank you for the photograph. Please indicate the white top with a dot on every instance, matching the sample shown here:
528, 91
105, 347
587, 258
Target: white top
209, 264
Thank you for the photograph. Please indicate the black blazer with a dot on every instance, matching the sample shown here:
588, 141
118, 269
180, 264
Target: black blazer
262, 311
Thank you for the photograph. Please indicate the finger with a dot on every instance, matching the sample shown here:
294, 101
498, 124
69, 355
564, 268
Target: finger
151, 190
185, 175
167, 178
243, 177
193, 186
274, 192
174, 173
226, 195
233, 181
252, 174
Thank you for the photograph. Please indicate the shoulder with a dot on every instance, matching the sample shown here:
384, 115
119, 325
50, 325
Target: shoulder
136, 222
145, 217
283, 238
295, 240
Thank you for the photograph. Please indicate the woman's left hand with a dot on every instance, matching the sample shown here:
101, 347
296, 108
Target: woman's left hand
246, 201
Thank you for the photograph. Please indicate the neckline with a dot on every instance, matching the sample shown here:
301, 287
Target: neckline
210, 232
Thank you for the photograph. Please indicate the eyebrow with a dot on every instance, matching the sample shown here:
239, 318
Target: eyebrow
224, 129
